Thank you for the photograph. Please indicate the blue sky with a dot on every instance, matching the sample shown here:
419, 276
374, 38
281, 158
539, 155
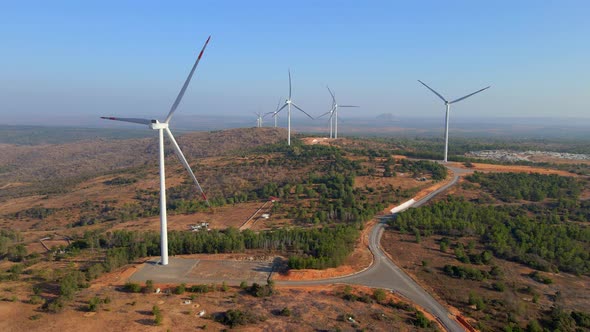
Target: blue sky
77, 60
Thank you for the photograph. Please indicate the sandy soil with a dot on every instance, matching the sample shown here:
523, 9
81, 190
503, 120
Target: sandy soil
511, 168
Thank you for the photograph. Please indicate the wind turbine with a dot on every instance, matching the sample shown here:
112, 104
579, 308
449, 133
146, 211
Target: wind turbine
331, 119
259, 117
288, 104
162, 127
448, 105
334, 114
275, 114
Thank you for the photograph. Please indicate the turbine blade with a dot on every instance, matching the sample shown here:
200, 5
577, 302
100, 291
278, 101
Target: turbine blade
331, 94
278, 105
186, 83
297, 107
280, 109
469, 95
186, 165
436, 93
347, 106
134, 120
289, 84
328, 112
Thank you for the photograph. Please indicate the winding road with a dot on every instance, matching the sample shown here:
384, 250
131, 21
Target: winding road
383, 273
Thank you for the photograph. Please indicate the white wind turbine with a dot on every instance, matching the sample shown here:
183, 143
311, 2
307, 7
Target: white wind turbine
259, 117
448, 105
334, 114
275, 114
161, 127
288, 104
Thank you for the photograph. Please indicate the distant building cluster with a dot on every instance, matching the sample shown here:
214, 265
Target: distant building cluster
505, 155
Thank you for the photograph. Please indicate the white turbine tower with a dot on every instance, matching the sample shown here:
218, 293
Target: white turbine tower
448, 105
275, 114
259, 117
330, 119
334, 114
161, 127
288, 104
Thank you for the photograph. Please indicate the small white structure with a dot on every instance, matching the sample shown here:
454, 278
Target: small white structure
198, 227
403, 206
158, 291
202, 313
265, 215
187, 302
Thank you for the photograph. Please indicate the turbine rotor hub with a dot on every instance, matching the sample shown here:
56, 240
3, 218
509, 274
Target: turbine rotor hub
157, 125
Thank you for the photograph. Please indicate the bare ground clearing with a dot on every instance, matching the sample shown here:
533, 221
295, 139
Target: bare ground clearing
310, 310
510, 168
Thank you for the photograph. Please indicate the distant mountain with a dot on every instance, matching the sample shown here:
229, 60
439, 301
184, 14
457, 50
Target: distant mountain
388, 117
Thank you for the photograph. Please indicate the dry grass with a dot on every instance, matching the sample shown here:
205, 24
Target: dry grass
311, 309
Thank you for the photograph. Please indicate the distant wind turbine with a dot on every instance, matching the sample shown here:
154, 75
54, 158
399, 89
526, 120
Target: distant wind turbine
288, 104
259, 117
448, 105
275, 114
161, 127
334, 114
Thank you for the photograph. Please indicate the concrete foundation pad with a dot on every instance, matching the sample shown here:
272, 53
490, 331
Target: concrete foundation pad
194, 271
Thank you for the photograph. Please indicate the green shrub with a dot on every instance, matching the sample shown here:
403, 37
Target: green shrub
476, 300
157, 315
498, 286
132, 287
261, 290
379, 295
234, 318
149, 287
94, 304
538, 277
285, 312
421, 320
55, 306
200, 289
180, 289
36, 299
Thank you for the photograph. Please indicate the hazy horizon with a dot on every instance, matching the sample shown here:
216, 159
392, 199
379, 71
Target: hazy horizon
500, 128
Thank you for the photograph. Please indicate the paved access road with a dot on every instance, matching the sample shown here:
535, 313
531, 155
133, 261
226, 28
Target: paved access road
383, 273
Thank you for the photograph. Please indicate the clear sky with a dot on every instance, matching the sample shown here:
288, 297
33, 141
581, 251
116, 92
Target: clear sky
83, 59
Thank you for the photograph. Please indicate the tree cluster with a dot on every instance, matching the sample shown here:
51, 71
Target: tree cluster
534, 187
544, 242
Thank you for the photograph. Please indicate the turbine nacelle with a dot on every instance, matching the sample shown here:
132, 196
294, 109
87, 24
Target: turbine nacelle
157, 125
